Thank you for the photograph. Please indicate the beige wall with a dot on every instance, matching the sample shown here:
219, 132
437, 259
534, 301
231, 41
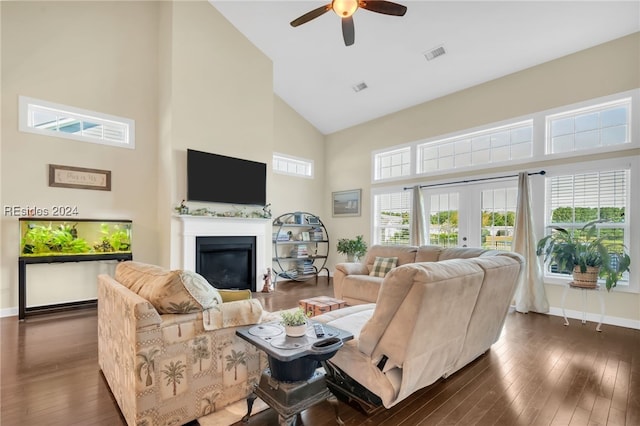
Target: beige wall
295, 136
192, 81
100, 56
216, 96
606, 69
187, 78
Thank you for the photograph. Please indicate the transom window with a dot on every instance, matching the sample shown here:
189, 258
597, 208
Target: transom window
588, 128
294, 166
475, 149
47, 118
392, 164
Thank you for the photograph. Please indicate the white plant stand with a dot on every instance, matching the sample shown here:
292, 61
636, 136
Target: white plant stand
584, 303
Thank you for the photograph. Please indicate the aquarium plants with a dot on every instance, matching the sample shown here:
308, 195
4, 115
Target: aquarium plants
61, 238
49, 239
114, 238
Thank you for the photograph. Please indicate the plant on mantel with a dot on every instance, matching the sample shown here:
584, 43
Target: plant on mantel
264, 213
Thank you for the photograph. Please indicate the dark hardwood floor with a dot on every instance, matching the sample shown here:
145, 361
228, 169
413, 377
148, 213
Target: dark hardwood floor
538, 373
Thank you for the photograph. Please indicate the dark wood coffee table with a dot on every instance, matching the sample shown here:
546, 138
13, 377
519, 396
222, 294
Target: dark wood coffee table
288, 395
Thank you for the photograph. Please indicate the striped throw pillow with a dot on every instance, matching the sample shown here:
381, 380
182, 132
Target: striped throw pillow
382, 266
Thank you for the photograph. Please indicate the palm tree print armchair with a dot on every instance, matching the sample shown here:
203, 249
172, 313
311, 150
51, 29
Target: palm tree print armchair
167, 345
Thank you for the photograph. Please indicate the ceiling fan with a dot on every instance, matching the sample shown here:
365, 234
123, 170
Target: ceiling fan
346, 8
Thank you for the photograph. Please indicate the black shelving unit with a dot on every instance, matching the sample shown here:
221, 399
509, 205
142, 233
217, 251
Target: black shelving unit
300, 246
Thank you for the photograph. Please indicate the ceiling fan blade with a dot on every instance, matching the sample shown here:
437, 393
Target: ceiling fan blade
381, 6
348, 31
311, 15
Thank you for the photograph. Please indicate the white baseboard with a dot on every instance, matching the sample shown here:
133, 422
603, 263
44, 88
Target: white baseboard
595, 317
9, 312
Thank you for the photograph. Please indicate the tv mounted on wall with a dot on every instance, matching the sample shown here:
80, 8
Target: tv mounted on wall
221, 179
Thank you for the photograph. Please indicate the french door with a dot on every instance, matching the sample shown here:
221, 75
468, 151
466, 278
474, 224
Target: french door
478, 214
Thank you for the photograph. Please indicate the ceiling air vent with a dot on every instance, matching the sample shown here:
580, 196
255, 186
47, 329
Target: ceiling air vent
360, 86
434, 53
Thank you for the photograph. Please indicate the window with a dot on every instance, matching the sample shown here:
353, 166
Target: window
498, 212
443, 219
576, 199
294, 166
46, 118
478, 213
494, 145
391, 217
587, 128
392, 164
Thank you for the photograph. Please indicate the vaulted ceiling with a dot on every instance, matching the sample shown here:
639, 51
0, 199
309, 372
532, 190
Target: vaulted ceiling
314, 72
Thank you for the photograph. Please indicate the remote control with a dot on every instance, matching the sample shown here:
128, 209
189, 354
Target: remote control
318, 329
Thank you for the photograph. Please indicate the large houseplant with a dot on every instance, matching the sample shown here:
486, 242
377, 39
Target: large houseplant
584, 252
354, 249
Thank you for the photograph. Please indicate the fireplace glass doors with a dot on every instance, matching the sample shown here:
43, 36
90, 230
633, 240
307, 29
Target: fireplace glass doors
227, 262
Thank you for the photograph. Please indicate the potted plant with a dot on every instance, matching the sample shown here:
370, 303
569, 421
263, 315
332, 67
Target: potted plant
294, 322
586, 255
354, 249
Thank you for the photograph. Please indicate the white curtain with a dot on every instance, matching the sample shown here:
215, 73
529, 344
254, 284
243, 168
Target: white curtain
418, 231
530, 294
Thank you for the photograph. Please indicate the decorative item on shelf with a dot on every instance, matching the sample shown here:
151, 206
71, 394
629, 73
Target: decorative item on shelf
294, 322
586, 255
182, 208
354, 249
266, 278
264, 213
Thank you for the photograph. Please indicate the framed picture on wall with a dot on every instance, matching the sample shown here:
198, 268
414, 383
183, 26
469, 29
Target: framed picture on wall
346, 203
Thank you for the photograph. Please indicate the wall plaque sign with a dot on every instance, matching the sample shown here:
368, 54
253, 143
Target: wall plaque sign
79, 177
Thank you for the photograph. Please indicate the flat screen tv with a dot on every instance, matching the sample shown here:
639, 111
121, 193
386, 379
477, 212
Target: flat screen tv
221, 179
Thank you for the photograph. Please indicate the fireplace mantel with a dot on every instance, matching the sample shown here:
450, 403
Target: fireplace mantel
186, 228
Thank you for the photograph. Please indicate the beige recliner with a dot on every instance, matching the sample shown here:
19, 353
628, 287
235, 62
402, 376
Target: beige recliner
430, 319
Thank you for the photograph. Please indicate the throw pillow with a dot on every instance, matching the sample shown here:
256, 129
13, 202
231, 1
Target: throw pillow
233, 295
170, 292
382, 266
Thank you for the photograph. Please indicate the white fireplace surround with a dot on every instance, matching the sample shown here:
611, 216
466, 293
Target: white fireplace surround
185, 229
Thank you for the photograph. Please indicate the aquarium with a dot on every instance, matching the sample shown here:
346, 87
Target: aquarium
60, 237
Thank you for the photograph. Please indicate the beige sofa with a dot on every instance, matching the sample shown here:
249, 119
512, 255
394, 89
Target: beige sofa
167, 345
431, 317
353, 283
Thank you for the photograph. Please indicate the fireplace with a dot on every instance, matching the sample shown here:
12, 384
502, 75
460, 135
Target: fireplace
186, 229
227, 262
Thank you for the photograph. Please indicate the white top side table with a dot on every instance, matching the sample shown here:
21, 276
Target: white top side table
584, 302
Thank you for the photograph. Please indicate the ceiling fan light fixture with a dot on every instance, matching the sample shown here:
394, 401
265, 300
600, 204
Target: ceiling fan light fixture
344, 8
